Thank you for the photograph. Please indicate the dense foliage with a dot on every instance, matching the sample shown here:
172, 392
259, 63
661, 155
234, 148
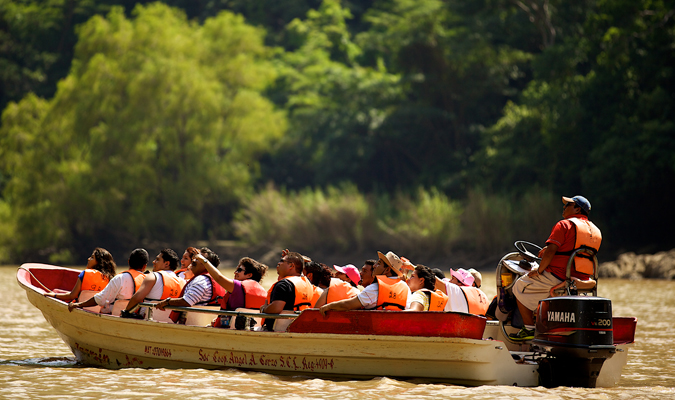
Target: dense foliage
130, 122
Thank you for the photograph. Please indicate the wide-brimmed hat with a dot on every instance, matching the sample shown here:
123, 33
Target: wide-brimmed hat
351, 271
393, 261
477, 277
580, 201
463, 276
407, 265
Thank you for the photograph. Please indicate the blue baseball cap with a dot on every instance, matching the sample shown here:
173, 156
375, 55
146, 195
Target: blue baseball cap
580, 201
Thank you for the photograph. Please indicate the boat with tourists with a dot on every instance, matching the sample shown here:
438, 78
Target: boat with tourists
576, 334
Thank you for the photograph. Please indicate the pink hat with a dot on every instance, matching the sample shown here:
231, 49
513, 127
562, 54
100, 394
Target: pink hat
351, 271
463, 276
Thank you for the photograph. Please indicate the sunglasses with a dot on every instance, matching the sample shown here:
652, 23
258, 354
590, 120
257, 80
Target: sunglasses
239, 269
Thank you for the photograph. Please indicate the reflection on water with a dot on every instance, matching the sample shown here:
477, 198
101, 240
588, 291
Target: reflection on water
36, 364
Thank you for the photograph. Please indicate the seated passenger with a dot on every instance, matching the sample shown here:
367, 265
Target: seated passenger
438, 273
425, 297
477, 277
348, 273
99, 271
184, 272
244, 291
343, 286
162, 283
291, 292
336, 291
386, 292
115, 296
201, 290
319, 276
462, 296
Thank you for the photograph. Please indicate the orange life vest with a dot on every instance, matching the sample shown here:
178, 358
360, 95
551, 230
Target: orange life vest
340, 290
588, 235
437, 299
476, 299
173, 285
137, 276
94, 280
316, 293
303, 292
255, 294
392, 294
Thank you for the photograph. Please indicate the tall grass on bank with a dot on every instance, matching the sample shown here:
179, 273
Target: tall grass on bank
492, 222
424, 225
330, 220
427, 224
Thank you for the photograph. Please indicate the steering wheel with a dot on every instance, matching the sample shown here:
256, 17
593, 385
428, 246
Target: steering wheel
522, 249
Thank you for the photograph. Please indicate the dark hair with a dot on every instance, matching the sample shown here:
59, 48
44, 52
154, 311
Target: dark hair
104, 262
439, 274
428, 276
296, 259
370, 262
253, 267
138, 258
321, 274
211, 256
170, 256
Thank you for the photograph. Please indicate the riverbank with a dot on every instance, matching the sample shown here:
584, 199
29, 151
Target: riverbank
637, 266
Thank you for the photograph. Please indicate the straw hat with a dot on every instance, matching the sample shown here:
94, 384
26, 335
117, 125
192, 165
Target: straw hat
393, 261
407, 265
477, 277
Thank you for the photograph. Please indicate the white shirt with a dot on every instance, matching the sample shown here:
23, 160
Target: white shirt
199, 289
121, 287
158, 288
456, 298
368, 297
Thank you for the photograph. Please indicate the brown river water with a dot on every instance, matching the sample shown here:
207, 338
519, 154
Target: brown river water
36, 364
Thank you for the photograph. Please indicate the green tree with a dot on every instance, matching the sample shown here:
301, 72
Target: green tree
598, 120
457, 79
335, 106
36, 44
154, 134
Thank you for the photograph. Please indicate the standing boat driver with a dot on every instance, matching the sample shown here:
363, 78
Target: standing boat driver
388, 291
569, 234
114, 298
159, 285
291, 292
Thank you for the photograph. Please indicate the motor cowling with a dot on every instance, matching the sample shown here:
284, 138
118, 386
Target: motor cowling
575, 333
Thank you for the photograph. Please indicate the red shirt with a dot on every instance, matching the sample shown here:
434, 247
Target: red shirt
564, 235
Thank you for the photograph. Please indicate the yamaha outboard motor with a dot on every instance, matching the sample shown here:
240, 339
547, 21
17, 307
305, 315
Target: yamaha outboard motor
575, 333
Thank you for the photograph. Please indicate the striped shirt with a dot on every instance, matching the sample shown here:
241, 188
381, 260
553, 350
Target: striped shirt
198, 290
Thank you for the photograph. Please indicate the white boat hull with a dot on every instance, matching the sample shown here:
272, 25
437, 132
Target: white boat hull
113, 342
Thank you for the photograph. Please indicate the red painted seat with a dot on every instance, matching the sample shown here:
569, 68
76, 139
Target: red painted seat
395, 323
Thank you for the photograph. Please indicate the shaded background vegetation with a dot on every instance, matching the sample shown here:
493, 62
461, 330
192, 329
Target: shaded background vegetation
442, 130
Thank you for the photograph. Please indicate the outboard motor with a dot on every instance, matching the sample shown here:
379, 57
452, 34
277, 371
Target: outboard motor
575, 333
